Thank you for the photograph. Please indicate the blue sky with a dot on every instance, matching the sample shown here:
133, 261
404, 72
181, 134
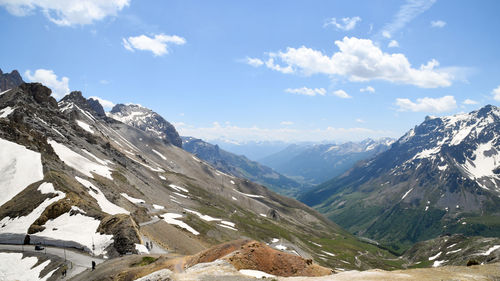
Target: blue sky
264, 70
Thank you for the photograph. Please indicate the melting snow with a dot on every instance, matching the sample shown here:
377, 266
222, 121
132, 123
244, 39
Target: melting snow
102, 201
435, 257
178, 188
455, 251
14, 267
234, 198
250, 195
280, 247
316, 244
426, 153
408, 192
172, 218
19, 167
84, 126
162, 177
6, 111
79, 228
438, 263
483, 166
159, 154
181, 195
201, 216
275, 240
232, 224
132, 199
141, 249
227, 226
328, 253
256, 273
232, 182
263, 215
490, 250
4, 92
21, 224
158, 207
78, 162
98, 160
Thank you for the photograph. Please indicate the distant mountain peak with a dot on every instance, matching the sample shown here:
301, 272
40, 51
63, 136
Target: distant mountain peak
76, 98
145, 119
10, 80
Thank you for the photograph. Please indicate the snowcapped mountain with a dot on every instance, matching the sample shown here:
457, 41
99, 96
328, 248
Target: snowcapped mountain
442, 176
240, 166
71, 177
147, 120
317, 163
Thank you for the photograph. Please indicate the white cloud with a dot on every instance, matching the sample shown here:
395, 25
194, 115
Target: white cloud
496, 93
341, 94
438, 23
360, 60
406, 13
104, 82
286, 123
67, 12
368, 89
105, 103
446, 103
239, 134
48, 78
255, 62
307, 91
359, 120
470, 102
343, 23
157, 44
393, 44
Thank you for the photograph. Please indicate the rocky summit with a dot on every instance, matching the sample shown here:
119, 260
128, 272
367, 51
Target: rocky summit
147, 120
441, 177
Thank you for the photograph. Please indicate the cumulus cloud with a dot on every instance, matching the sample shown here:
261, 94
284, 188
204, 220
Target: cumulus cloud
368, 89
307, 91
496, 93
359, 60
393, 44
255, 62
446, 103
67, 12
470, 102
406, 13
239, 134
341, 94
158, 44
48, 78
105, 103
286, 123
438, 23
359, 120
345, 24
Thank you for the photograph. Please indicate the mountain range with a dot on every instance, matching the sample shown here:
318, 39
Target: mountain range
441, 177
316, 163
242, 167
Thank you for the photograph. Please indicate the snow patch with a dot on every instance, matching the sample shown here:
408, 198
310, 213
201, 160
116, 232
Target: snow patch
435, 257
132, 199
438, 263
172, 218
159, 154
201, 216
14, 267
19, 167
490, 250
158, 207
256, 273
328, 253
408, 192
178, 188
141, 249
6, 111
162, 177
84, 126
102, 201
78, 162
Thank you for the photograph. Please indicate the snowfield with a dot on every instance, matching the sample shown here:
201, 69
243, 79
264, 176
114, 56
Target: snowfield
20, 225
84, 126
78, 162
256, 273
102, 201
132, 199
14, 267
77, 228
19, 167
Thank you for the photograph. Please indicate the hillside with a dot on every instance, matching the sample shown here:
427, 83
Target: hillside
74, 178
242, 167
315, 164
440, 177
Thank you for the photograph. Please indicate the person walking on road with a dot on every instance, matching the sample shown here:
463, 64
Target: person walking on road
93, 265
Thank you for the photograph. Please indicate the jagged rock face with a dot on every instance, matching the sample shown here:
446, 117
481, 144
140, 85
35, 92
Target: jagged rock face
76, 98
240, 166
147, 120
433, 180
10, 80
315, 164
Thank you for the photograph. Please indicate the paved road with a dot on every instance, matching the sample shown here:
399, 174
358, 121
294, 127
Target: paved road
81, 261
